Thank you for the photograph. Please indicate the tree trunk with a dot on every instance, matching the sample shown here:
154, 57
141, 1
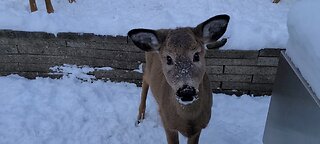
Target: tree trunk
49, 6
33, 5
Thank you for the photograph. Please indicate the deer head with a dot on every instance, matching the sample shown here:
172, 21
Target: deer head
182, 53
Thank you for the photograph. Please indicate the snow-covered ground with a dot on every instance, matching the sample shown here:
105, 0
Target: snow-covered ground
303, 45
254, 24
70, 111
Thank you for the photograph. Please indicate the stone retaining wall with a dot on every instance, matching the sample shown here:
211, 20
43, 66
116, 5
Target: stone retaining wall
31, 54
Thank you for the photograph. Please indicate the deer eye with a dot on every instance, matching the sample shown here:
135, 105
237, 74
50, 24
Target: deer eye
169, 60
196, 57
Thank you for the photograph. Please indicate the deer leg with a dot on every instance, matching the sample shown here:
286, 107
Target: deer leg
194, 139
49, 6
33, 5
71, 1
172, 136
142, 107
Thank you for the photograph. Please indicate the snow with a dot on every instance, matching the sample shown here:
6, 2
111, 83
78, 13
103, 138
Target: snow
104, 68
303, 44
140, 69
78, 109
70, 110
254, 24
73, 71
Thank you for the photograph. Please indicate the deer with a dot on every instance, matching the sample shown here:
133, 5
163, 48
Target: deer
175, 71
49, 7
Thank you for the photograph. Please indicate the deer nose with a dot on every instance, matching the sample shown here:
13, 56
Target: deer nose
186, 93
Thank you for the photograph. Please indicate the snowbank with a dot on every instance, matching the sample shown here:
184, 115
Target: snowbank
303, 45
71, 111
254, 24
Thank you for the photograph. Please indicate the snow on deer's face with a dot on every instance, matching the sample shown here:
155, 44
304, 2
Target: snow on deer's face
182, 53
183, 63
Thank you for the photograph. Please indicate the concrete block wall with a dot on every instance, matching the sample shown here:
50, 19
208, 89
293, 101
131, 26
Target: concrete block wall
31, 54
243, 72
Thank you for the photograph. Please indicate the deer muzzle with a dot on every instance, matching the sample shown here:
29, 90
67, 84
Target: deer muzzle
187, 95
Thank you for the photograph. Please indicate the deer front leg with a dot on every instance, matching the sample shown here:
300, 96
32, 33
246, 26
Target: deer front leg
172, 136
33, 5
194, 139
49, 6
142, 107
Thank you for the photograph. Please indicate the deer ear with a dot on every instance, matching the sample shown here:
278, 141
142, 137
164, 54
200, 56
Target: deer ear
145, 39
212, 29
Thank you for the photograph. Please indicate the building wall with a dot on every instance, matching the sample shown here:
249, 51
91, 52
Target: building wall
31, 54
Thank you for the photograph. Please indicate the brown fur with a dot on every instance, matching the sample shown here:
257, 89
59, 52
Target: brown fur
164, 79
49, 7
188, 120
